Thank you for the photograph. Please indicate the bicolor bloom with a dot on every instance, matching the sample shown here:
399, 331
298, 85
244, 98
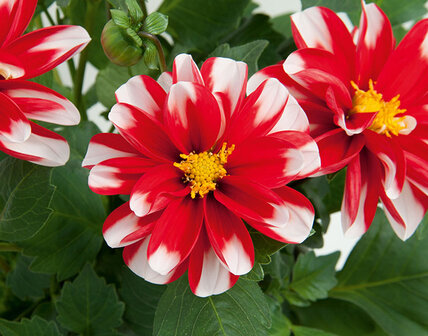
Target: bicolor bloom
366, 102
197, 156
28, 56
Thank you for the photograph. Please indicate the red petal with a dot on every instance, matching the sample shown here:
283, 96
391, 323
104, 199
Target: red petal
10, 66
14, 126
184, 69
21, 12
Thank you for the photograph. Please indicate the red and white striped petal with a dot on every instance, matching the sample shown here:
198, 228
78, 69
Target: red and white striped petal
10, 66
406, 71
135, 256
104, 146
175, 234
299, 224
192, 117
165, 80
375, 44
118, 175
14, 126
406, 211
144, 93
293, 118
184, 69
261, 112
251, 201
41, 103
43, 49
20, 13
361, 194
6, 8
269, 161
122, 222
229, 237
318, 27
148, 194
207, 275
42, 147
143, 132
226, 76
307, 147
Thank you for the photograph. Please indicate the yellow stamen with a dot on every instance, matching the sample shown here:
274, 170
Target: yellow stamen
386, 120
204, 169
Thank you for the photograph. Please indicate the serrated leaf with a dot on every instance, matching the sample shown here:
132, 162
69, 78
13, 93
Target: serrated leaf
242, 310
34, 327
72, 236
25, 283
388, 278
156, 23
88, 305
264, 246
150, 55
25, 197
314, 276
120, 18
248, 53
141, 299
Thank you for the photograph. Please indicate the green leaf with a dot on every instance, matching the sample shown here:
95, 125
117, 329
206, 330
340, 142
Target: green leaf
256, 273
25, 197
120, 18
422, 230
134, 10
282, 25
150, 55
141, 299
280, 324
25, 283
72, 236
351, 7
45, 79
314, 276
388, 278
248, 53
305, 331
156, 23
88, 305
242, 310
34, 327
200, 24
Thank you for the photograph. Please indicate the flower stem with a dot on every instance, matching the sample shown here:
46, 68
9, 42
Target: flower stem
158, 45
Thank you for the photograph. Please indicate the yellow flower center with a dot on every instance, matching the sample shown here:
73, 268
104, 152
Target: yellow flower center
204, 169
386, 120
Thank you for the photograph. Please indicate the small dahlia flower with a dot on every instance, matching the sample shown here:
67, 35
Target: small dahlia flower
367, 106
197, 158
28, 56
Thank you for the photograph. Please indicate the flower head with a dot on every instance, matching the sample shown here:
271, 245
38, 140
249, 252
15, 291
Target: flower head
366, 102
28, 56
197, 156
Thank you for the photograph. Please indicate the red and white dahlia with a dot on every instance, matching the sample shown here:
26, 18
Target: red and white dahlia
28, 56
197, 157
367, 104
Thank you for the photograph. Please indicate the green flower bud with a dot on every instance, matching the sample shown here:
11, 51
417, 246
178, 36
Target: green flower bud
119, 47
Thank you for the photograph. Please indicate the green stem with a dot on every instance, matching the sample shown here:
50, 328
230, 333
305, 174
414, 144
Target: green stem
158, 45
50, 19
9, 247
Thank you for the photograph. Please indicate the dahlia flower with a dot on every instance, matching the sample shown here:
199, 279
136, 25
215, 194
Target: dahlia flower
367, 106
28, 56
197, 157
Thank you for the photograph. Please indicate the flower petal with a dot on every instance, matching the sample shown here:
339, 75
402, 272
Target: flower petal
43, 49
14, 126
20, 14
165, 81
144, 93
184, 69
10, 66
135, 256
207, 275
192, 117
293, 118
104, 146
43, 147
229, 237
175, 234
41, 103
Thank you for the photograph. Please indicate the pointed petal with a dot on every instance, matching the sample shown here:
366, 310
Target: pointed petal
269, 161
144, 93
135, 256
299, 224
43, 147
192, 117
184, 69
229, 237
144, 133
175, 234
41, 103
21, 14
207, 275
261, 111
293, 118
118, 175
43, 49
104, 146
14, 126
10, 66
165, 81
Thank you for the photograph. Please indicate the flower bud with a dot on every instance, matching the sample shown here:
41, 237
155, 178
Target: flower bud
121, 48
